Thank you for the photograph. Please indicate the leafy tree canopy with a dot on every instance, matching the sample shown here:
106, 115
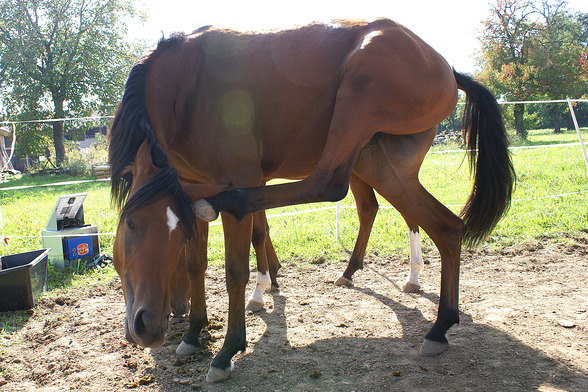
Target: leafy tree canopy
63, 58
534, 49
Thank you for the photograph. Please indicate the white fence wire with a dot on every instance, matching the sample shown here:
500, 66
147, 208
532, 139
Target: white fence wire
338, 206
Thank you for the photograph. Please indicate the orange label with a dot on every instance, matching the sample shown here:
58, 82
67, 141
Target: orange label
82, 249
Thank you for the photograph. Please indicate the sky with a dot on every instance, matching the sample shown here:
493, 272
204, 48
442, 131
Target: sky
449, 26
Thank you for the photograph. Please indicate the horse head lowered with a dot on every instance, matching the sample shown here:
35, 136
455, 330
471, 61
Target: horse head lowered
157, 213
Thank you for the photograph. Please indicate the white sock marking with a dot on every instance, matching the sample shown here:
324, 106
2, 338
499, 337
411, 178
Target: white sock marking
416, 258
263, 283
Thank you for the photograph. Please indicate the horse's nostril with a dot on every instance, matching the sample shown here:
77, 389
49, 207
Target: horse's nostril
141, 319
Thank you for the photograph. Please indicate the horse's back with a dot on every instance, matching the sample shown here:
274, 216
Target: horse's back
271, 96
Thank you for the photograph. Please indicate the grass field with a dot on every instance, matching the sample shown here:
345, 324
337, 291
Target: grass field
550, 199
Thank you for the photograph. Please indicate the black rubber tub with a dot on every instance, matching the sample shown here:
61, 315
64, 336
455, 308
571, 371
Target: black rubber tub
23, 278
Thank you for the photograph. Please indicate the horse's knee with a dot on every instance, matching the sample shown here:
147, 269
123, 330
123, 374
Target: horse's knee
259, 236
237, 276
196, 269
336, 190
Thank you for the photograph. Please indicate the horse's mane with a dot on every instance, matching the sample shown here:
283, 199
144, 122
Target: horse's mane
130, 128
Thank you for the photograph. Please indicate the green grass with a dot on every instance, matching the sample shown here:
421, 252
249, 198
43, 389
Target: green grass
25, 211
542, 173
540, 137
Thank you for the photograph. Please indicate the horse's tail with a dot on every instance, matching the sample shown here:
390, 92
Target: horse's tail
490, 162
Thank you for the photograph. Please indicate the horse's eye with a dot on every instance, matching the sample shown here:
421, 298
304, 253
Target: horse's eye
130, 224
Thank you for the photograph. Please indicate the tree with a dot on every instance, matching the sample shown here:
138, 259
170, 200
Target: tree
504, 56
557, 52
534, 49
63, 57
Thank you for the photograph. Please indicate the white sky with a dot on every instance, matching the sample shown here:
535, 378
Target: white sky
450, 26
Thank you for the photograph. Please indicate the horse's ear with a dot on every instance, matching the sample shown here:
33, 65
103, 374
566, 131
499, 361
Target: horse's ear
202, 191
143, 168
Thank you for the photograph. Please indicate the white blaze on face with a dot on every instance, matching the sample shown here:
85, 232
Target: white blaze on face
172, 220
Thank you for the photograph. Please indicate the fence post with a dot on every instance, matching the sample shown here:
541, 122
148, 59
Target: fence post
338, 222
573, 113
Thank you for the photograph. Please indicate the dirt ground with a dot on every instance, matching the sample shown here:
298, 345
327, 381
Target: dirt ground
524, 326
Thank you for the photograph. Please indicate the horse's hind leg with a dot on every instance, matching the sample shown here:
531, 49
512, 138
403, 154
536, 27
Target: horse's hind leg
400, 186
415, 261
446, 230
196, 261
367, 208
259, 239
329, 181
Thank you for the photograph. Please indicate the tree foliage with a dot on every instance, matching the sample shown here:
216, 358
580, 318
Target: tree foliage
63, 58
534, 49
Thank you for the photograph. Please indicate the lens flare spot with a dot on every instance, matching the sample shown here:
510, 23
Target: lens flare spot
237, 110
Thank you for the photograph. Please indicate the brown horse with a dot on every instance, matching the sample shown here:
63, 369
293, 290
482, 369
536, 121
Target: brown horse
268, 263
232, 110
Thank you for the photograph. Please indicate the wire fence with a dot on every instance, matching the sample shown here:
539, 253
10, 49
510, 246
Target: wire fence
336, 207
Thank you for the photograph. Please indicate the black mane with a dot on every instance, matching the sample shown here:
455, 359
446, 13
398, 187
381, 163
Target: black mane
130, 128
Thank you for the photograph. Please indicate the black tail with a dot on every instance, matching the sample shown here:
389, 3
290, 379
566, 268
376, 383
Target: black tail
490, 162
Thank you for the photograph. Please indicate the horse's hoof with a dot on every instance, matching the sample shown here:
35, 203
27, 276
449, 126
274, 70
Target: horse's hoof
430, 348
274, 288
186, 349
204, 210
217, 375
410, 287
343, 281
254, 306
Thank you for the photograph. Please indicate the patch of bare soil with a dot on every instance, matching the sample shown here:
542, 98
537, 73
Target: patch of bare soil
524, 326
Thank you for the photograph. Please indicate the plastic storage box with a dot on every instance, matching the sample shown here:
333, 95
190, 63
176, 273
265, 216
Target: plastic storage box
23, 277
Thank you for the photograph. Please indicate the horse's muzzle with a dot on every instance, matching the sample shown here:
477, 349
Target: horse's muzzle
145, 330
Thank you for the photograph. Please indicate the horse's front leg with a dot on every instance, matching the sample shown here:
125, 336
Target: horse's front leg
197, 262
367, 207
237, 240
179, 289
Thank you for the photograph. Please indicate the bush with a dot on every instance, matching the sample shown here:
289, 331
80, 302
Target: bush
530, 117
80, 162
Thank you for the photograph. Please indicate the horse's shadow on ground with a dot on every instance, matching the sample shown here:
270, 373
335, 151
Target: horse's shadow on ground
479, 358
